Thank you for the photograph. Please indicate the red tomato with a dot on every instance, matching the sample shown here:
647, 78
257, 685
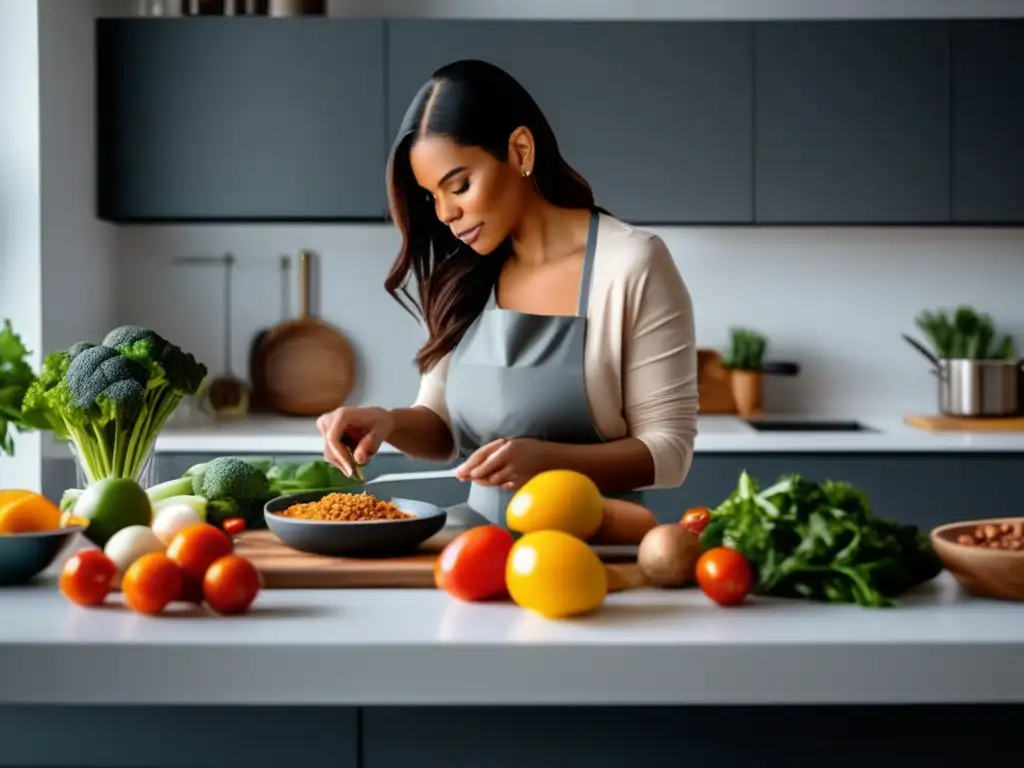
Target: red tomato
87, 577
230, 584
724, 575
194, 549
472, 566
696, 519
234, 525
151, 583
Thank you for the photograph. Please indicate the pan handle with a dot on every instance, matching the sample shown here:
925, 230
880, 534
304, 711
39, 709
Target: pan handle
780, 369
304, 268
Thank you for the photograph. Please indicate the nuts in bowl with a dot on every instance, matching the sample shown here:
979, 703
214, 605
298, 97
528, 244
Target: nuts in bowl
985, 556
1002, 536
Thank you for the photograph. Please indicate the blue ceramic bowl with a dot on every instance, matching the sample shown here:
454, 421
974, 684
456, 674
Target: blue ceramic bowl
371, 538
23, 556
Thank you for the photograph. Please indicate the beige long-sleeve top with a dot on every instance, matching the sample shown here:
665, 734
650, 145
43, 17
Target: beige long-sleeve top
641, 354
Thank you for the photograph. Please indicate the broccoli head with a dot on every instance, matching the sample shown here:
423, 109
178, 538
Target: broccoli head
233, 487
112, 399
167, 362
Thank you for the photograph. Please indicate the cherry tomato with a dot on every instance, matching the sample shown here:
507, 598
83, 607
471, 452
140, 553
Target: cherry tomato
234, 525
696, 519
231, 584
87, 577
724, 575
151, 583
472, 566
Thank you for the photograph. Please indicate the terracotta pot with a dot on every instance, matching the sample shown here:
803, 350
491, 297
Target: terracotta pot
748, 392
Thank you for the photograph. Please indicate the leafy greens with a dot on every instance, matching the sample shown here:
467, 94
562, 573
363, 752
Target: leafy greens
820, 542
16, 376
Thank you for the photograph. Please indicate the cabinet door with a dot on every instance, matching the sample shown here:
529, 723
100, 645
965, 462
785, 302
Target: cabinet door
852, 122
656, 116
988, 122
241, 119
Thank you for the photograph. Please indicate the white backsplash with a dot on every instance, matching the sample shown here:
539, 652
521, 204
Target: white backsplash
833, 299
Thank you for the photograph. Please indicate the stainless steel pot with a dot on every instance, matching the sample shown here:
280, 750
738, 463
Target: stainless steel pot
976, 387
979, 387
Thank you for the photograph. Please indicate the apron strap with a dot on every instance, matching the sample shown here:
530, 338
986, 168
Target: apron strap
587, 272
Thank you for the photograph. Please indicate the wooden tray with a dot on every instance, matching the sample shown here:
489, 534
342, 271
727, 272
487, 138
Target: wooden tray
286, 568
959, 424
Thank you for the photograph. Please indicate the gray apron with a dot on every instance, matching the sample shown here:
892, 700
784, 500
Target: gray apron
519, 375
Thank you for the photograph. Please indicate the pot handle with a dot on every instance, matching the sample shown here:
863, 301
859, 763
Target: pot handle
780, 369
922, 349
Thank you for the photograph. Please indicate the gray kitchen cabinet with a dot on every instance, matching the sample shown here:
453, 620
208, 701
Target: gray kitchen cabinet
657, 117
852, 122
227, 119
988, 122
213, 736
615, 736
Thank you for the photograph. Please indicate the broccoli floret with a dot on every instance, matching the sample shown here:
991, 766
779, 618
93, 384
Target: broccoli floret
78, 348
234, 488
102, 378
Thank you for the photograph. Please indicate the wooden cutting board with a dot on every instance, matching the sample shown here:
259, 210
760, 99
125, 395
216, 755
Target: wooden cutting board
286, 568
958, 424
714, 384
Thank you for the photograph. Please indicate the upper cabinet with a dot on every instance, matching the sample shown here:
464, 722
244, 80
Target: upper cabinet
988, 122
777, 122
225, 119
656, 116
852, 122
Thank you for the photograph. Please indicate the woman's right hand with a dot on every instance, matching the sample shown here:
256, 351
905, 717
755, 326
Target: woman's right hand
363, 429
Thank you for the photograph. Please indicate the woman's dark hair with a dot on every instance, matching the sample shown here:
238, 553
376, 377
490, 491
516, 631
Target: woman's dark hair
474, 104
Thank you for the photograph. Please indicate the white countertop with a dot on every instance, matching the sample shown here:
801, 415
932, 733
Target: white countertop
423, 647
716, 434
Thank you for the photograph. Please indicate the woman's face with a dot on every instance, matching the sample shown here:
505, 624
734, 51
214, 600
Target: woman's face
478, 196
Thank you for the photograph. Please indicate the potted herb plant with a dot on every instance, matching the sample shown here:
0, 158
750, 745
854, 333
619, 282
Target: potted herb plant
745, 361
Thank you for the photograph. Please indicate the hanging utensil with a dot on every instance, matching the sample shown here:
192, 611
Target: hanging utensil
227, 395
258, 399
305, 367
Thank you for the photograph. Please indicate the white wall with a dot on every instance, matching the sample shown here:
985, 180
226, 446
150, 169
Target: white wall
20, 263
79, 251
834, 300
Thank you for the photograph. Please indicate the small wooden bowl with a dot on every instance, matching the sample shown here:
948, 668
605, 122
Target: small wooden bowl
982, 571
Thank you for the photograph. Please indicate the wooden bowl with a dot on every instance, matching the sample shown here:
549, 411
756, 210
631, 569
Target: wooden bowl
981, 570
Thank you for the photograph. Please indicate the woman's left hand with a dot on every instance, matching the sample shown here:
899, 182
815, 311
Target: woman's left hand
507, 463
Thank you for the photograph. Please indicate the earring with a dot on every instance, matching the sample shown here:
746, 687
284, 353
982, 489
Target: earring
526, 172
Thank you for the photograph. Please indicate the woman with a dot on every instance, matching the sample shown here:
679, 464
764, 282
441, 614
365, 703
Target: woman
559, 337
